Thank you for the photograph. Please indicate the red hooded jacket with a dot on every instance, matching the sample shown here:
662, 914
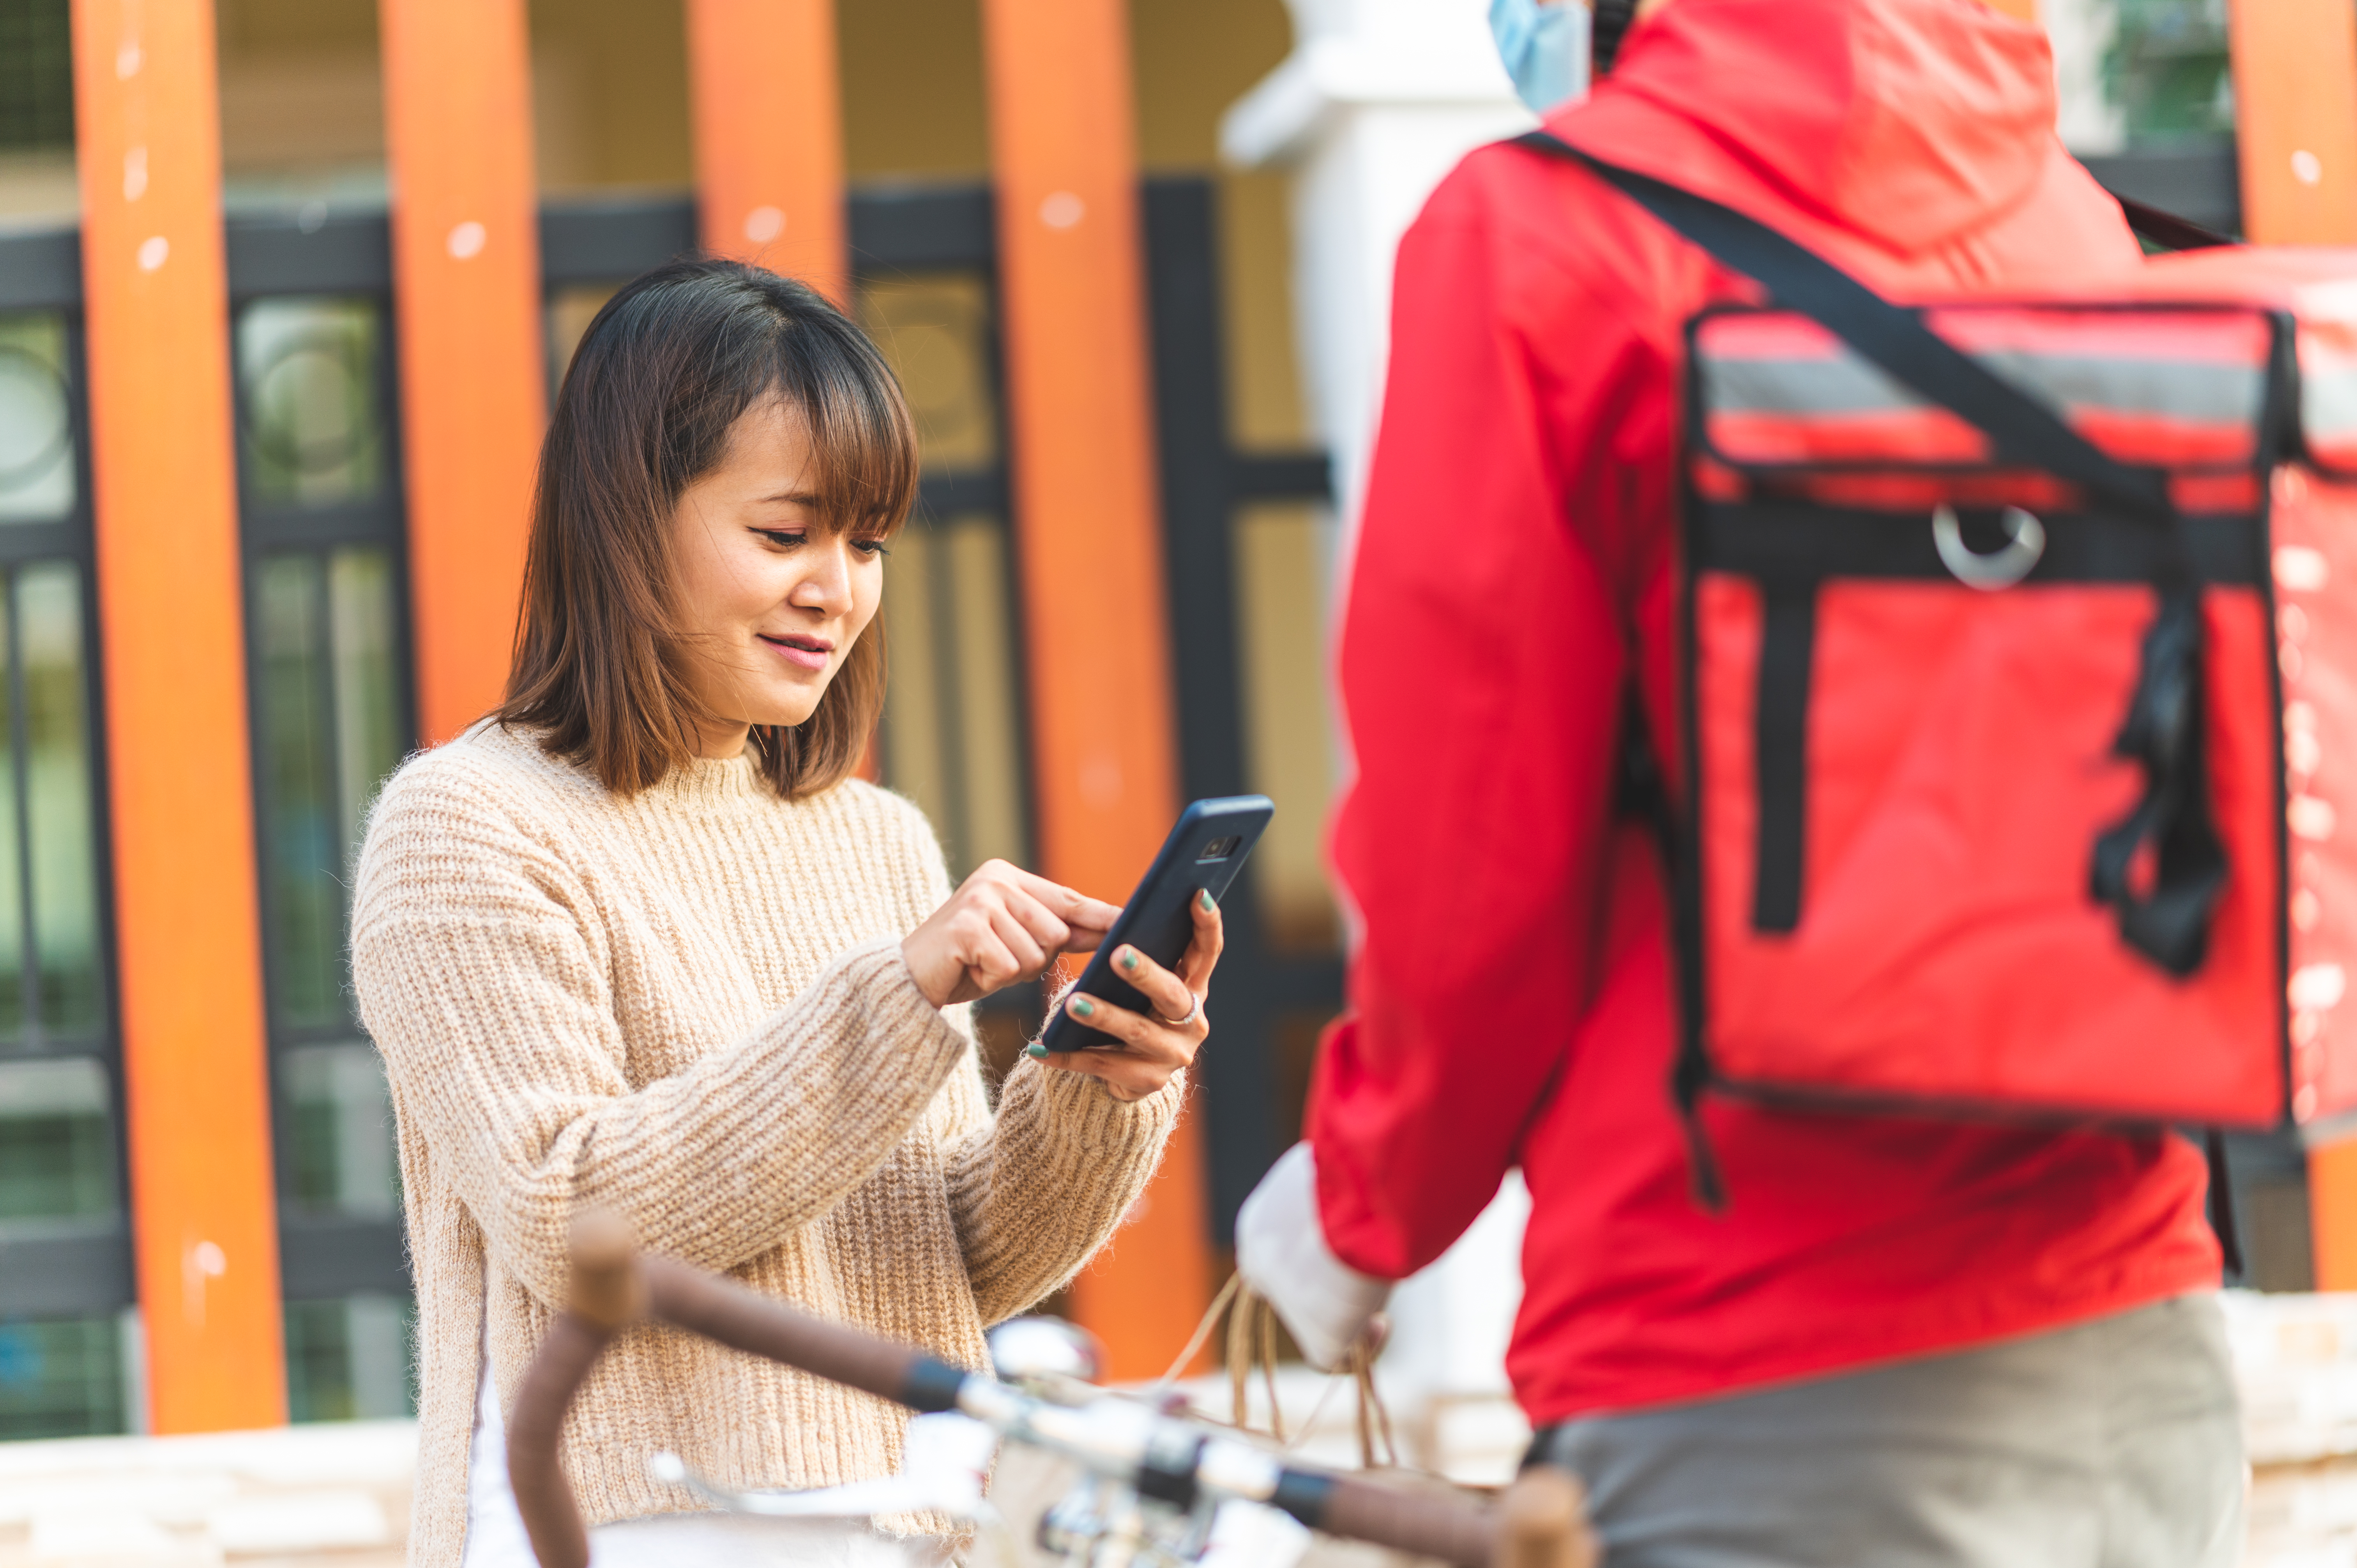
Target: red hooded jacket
1510, 1001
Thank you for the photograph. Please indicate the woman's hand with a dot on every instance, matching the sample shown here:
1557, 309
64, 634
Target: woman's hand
1001, 926
1148, 1049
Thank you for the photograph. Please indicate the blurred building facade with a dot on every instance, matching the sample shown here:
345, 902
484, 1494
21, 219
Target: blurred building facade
334, 641
284, 285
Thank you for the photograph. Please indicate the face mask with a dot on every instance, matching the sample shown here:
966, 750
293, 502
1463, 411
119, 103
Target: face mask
1544, 49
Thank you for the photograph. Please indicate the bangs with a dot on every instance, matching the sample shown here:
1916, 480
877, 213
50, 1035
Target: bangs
860, 432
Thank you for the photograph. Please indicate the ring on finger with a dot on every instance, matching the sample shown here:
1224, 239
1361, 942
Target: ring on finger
1193, 1014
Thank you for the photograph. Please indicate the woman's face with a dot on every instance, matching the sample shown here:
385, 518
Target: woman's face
769, 596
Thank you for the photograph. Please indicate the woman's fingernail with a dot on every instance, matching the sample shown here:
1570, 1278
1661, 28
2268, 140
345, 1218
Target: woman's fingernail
1208, 905
1035, 1050
1129, 959
1083, 1009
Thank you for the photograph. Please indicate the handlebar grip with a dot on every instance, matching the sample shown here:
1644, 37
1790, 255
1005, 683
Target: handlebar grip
1455, 1530
749, 1321
606, 1293
607, 1287
552, 1519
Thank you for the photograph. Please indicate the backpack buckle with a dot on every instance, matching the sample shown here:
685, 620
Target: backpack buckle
2002, 568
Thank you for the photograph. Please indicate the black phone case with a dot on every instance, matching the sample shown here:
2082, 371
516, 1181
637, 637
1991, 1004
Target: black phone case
1155, 921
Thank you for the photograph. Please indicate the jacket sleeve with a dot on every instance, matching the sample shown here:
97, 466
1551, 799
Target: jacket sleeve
1482, 670
488, 994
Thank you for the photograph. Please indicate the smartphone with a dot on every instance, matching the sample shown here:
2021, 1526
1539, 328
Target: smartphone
1204, 854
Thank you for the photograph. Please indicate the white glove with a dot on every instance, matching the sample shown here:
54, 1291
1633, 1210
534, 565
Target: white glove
1281, 1251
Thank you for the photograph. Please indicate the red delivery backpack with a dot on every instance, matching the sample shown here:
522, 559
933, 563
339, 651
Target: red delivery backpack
2018, 692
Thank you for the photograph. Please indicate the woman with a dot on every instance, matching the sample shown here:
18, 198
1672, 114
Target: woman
639, 941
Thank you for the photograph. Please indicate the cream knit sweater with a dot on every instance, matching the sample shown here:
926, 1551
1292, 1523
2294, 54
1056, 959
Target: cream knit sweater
690, 1008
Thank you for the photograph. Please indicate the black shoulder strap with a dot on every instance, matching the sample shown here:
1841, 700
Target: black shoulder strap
2023, 429
1607, 24
2167, 230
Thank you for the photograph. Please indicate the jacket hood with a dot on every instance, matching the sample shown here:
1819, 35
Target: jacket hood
1909, 121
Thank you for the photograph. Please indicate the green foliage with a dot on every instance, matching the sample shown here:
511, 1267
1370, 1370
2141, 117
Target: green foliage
2166, 68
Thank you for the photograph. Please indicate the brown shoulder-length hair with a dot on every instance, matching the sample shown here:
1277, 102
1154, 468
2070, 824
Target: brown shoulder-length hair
601, 664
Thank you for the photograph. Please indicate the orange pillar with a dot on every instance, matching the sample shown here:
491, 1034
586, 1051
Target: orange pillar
769, 135
1072, 291
2333, 1214
188, 929
2295, 66
474, 386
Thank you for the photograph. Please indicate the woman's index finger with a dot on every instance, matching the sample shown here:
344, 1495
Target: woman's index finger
1075, 907
1094, 913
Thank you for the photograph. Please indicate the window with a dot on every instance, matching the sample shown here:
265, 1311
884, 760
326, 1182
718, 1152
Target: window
323, 626
569, 311
65, 1279
1283, 552
323, 542
953, 738
314, 420
59, 1376
349, 1360
935, 329
62, 1378
37, 424
35, 75
57, 1153
334, 1146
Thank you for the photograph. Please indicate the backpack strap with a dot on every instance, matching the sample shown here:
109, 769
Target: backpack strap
1607, 24
1893, 337
2167, 230
1640, 795
2222, 1221
2163, 730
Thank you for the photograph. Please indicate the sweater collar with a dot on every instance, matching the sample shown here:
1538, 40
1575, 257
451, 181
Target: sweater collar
711, 781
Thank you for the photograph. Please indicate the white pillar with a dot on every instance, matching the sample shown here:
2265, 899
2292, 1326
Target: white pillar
1379, 101
2088, 119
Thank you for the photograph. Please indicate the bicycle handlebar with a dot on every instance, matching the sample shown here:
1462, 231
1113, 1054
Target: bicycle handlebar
1537, 1525
746, 1320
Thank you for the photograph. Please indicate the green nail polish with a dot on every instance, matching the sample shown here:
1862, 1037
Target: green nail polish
1208, 905
1035, 1049
1129, 959
1083, 1009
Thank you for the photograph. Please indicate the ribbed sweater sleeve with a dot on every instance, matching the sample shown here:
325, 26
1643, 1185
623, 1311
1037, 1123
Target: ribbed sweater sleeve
1037, 1189
483, 982
1036, 1194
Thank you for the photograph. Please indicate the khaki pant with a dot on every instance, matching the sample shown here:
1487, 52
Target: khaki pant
2114, 1443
